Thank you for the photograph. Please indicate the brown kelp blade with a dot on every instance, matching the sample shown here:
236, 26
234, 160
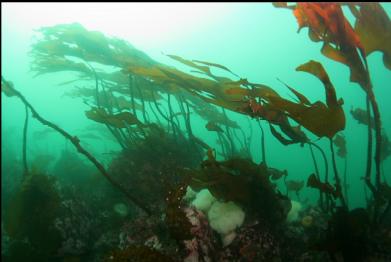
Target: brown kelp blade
283, 5
212, 126
276, 174
120, 120
215, 65
303, 100
317, 118
281, 138
373, 26
358, 73
361, 116
204, 69
6, 87
327, 23
340, 142
315, 68
50, 64
258, 90
320, 119
314, 182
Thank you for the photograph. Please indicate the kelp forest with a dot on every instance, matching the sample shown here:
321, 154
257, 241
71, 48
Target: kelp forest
169, 193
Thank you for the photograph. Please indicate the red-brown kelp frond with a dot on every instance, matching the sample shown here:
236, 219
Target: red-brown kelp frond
373, 27
320, 119
243, 182
119, 120
324, 187
327, 23
212, 126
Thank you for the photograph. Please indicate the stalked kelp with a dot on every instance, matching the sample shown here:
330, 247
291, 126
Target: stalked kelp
351, 45
11, 91
120, 97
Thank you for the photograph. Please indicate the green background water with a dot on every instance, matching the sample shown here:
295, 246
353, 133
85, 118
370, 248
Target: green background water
255, 40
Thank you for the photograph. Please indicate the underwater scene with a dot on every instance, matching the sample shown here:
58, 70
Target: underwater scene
196, 132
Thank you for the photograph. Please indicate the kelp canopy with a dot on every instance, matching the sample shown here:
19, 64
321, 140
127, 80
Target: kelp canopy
136, 80
127, 82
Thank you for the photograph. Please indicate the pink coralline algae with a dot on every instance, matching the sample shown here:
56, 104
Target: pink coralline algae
202, 245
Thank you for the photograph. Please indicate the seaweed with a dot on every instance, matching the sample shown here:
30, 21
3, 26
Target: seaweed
276, 174
243, 182
211, 126
373, 27
120, 120
328, 24
40, 163
361, 116
26, 170
153, 77
321, 119
150, 167
76, 142
31, 213
340, 142
161, 155
386, 147
351, 46
176, 219
74, 40
204, 69
137, 254
314, 182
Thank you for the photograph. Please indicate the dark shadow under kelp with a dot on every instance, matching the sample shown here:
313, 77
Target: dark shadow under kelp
29, 220
153, 165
